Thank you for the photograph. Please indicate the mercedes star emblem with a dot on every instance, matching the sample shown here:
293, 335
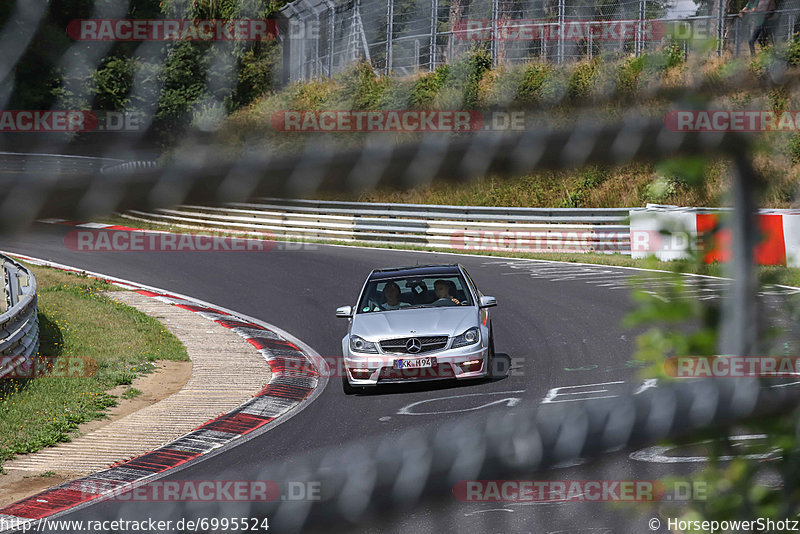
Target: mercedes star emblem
413, 345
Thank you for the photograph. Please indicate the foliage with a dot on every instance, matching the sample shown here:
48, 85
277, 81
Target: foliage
587, 180
794, 148
529, 90
735, 488
629, 75
467, 74
582, 79
362, 87
427, 87
792, 52
672, 55
178, 80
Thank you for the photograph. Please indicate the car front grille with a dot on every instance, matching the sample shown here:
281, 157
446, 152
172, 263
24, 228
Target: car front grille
429, 344
440, 370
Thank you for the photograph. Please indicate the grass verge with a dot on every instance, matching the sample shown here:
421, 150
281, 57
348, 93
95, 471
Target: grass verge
77, 321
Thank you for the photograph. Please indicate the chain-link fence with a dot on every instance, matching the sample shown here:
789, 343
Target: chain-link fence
414, 468
322, 37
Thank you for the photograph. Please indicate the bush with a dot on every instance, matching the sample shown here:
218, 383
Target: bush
257, 68
794, 149
468, 73
362, 86
427, 87
112, 83
629, 75
530, 87
674, 55
793, 51
582, 80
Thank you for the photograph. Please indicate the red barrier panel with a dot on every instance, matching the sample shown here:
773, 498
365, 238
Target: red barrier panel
771, 250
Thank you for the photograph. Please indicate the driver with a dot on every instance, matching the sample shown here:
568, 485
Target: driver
443, 296
391, 293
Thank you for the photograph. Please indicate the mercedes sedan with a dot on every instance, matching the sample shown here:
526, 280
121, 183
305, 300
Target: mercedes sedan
417, 323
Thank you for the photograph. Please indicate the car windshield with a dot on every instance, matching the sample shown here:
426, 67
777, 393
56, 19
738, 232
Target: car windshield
404, 293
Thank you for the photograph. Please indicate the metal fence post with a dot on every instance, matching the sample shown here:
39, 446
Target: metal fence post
317, 58
389, 34
434, 28
542, 32
740, 317
450, 39
589, 45
639, 37
331, 31
720, 25
495, 16
561, 16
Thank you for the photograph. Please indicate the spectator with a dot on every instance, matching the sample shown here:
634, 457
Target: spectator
763, 14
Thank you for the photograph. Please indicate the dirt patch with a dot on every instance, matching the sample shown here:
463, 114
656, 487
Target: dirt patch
167, 378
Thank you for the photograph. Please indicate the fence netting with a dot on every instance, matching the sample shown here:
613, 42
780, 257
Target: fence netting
411, 473
412, 36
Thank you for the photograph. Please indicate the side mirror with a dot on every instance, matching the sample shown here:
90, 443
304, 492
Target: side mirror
344, 311
488, 302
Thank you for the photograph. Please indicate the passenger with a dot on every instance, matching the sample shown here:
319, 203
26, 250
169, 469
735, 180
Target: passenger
443, 296
391, 293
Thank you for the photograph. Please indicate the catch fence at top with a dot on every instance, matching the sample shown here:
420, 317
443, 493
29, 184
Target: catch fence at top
322, 37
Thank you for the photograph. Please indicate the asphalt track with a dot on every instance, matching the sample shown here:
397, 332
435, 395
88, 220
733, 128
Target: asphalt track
558, 325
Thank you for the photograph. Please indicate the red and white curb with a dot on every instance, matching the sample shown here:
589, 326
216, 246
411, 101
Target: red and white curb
99, 226
281, 398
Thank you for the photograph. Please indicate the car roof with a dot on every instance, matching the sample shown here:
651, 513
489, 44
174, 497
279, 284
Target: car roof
414, 271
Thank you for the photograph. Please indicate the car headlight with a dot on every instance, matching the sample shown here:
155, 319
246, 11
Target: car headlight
358, 344
470, 337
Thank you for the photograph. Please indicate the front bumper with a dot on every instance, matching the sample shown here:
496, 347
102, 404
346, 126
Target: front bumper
448, 366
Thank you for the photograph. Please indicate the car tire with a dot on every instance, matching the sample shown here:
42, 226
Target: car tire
490, 361
347, 388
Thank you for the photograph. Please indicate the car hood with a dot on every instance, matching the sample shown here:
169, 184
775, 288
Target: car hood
450, 321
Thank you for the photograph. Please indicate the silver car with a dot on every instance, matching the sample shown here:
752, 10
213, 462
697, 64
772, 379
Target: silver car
426, 322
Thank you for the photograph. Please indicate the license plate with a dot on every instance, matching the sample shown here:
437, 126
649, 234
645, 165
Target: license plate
414, 363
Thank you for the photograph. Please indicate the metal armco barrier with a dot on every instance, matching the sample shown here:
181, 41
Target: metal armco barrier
19, 322
447, 227
128, 166
22, 163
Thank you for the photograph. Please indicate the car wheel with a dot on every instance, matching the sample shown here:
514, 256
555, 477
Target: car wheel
347, 388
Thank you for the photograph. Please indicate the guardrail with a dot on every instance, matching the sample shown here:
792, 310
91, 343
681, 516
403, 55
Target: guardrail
129, 166
19, 322
18, 162
448, 227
